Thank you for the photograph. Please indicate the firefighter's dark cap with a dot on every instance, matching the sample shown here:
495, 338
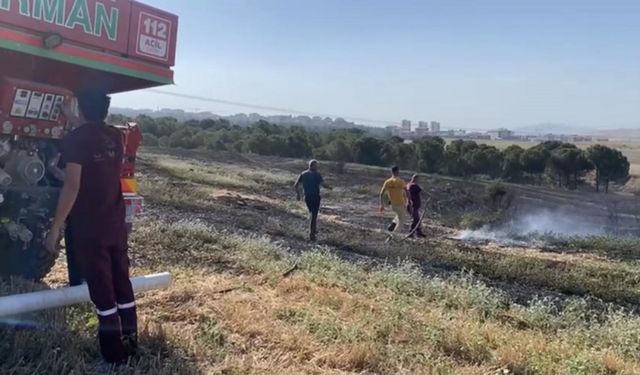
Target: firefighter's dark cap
94, 104
92, 95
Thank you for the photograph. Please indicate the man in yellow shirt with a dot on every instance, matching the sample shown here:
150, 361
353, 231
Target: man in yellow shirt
394, 191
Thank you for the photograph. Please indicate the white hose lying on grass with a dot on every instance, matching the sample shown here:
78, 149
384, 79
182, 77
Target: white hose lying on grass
48, 299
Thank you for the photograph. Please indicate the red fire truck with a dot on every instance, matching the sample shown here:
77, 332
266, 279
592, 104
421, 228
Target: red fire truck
50, 49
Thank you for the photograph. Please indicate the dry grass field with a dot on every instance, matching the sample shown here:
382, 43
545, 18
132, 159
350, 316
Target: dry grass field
252, 296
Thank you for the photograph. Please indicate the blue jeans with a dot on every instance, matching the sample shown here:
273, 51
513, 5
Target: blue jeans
313, 204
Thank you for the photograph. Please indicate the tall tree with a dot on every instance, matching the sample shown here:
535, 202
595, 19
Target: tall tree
512, 167
610, 164
406, 157
257, 144
569, 163
552, 145
430, 154
534, 160
389, 152
265, 128
462, 146
455, 163
149, 139
297, 145
166, 126
148, 125
485, 160
368, 150
339, 150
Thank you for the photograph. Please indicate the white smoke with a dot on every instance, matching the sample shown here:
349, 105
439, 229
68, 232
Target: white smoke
526, 228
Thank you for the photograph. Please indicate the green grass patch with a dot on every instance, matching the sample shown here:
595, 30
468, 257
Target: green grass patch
627, 248
218, 174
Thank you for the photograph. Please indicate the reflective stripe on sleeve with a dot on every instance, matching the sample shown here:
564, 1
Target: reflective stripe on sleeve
107, 312
126, 305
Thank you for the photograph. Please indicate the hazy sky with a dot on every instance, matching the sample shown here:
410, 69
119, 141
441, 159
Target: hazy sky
473, 63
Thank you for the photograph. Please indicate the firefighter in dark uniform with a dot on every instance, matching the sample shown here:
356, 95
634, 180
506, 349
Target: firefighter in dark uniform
91, 198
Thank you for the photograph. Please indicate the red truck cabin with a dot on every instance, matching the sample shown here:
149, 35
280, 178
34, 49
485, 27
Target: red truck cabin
118, 45
52, 48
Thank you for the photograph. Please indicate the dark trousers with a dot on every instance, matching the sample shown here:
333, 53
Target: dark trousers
313, 204
415, 215
106, 269
75, 277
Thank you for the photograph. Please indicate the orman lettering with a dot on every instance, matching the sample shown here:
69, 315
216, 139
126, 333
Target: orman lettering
100, 21
50, 11
79, 15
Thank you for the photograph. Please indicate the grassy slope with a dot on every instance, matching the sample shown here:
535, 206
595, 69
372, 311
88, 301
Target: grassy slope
235, 309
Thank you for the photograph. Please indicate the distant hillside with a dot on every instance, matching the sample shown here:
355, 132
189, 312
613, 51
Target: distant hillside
619, 133
176, 113
243, 119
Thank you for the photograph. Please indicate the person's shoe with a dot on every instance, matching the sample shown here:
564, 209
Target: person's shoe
313, 237
391, 227
130, 343
421, 235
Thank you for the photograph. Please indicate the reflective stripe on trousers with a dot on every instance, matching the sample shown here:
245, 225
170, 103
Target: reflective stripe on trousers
126, 306
107, 312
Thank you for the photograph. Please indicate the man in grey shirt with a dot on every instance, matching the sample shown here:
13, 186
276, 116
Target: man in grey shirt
310, 181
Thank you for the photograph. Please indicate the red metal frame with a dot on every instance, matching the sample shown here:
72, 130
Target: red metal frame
126, 15
140, 56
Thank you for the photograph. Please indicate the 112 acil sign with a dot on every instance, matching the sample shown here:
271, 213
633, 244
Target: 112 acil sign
154, 36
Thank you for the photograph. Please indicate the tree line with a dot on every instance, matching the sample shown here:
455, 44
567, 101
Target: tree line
563, 164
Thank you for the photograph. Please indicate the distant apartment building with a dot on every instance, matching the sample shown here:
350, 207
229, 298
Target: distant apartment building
554, 137
500, 134
421, 131
394, 130
406, 125
444, 133
407, 135
435, 127
476, 135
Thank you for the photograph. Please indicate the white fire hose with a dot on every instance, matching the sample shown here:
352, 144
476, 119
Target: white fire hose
48, 299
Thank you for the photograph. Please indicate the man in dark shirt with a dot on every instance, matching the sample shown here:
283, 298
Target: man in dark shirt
92, 199
413, 191
311, 180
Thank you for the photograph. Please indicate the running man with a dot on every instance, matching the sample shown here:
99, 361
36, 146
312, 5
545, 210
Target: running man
311, 180
414, 190
394, 191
